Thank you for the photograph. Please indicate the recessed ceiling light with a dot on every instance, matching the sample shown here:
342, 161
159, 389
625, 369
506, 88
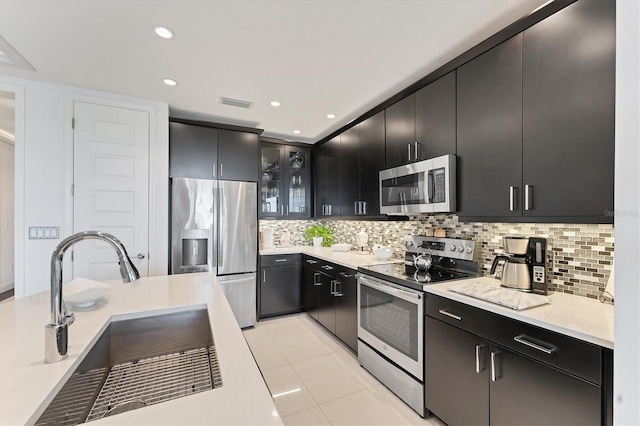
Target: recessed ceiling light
164, 32
297, 132
331, 116
170, 82
275, 103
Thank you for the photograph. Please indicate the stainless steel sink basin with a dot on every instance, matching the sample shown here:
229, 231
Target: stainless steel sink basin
139, 362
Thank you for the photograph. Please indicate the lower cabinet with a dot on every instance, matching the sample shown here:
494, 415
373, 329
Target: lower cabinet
473, 375
280, 285
329, 295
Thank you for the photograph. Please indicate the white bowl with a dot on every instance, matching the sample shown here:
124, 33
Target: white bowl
83, 292
341, 247
383, 252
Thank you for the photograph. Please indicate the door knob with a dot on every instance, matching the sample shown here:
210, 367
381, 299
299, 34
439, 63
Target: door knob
140, 256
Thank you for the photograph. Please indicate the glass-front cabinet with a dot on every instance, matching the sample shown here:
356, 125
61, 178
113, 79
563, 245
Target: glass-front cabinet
285, 181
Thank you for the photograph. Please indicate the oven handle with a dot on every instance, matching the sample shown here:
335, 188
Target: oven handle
407, 295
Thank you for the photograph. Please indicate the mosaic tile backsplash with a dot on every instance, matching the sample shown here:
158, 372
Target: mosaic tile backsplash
583, 253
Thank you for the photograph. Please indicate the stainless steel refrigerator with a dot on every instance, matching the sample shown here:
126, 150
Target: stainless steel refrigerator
214, 228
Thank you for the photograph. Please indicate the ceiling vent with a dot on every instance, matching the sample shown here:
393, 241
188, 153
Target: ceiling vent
235, 102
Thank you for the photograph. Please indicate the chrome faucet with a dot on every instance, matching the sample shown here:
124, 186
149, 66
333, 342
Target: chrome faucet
56, 334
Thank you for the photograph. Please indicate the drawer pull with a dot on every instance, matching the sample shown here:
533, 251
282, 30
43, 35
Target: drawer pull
316, 279
479, 368
495, 366
346, 275
281, 260
450, 315
327, 267
521, 339
312, 262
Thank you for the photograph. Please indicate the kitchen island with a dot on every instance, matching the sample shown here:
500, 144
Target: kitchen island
27, 384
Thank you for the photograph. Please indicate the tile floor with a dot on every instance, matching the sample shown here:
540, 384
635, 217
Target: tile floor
316, 380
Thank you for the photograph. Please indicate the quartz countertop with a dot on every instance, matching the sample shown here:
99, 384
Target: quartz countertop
580, 317
27, 384
350, 259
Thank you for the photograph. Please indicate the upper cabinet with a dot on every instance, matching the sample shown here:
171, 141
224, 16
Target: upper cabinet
372, 147
285, 181
422, 125
326, 169
568, 66
208, 153
536, 122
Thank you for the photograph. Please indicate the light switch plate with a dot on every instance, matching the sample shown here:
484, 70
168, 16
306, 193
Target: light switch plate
44, 232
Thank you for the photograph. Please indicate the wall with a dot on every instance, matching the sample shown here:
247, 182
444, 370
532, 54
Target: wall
583, 254
6, 214
47, 138
627, 216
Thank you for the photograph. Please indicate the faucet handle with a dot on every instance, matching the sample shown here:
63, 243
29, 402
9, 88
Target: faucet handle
69, 318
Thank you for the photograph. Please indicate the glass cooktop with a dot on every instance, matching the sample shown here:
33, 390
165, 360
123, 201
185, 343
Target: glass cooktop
397, 273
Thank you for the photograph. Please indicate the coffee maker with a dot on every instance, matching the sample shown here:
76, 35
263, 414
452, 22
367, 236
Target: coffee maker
524, 264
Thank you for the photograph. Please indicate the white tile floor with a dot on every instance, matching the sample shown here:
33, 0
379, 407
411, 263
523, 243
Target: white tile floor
316, 380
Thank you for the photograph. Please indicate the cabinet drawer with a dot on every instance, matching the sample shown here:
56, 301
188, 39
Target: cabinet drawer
279, 259
563, 352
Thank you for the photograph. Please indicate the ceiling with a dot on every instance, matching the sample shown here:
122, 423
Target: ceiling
316, 57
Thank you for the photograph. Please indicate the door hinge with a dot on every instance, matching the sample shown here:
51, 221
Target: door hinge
73, 189
73, 123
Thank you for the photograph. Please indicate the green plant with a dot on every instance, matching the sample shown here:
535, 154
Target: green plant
319, 231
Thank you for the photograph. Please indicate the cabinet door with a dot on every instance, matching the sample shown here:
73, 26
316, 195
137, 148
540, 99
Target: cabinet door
568, 105
456, 375
193, 151
436, 117
349, 171
297, 184
327, 178
326, 303
310, 284
280, 290
347, 309
400, 123
271, 180
489, 100
372, 148
528, 392
238, 154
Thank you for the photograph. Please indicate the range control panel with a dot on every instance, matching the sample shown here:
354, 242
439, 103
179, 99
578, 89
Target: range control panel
447, 247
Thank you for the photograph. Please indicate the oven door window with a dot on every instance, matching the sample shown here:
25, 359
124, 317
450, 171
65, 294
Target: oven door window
392, 320
404, 190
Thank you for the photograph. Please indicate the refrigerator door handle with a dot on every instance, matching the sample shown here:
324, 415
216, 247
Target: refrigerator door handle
214, 234
218, 214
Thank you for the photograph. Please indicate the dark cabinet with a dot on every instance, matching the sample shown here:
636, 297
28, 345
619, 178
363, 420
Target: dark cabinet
193, 151
204, 152
490, 132
349, 171
372, 149
326, 167
330, 297
280, 285
508, 372
285, 181
422, 125
568, 111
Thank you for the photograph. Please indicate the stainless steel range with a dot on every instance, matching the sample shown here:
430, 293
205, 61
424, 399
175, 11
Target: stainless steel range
391, 310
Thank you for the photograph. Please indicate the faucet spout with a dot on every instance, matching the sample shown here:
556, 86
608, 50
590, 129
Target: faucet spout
56, 333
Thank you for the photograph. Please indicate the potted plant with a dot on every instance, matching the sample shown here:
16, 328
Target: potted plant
320, 235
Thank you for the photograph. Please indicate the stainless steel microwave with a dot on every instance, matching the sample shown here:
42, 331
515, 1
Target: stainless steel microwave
428, 186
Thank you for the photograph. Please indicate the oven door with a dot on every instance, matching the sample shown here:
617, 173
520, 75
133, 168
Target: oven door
390, 320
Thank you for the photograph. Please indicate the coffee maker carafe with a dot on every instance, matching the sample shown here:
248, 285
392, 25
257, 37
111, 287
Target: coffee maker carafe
525, 264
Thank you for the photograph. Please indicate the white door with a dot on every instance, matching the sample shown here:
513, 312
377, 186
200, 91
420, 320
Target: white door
111, 187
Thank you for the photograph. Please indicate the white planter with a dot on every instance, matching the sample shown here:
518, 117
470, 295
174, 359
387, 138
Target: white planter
317, 241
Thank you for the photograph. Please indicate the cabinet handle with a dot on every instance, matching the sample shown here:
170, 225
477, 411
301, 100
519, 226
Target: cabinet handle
316, 282
480, 369
281, 260
333, 286
338, 293
416, 144
281, 210
356, 207
495, 366
363, 205
328, 209
449, 314
220, 170
528, 197
264, 275
287, 213
345, 275
214, 170
327, 267
408, 152
512, 198
312, 262
521, 339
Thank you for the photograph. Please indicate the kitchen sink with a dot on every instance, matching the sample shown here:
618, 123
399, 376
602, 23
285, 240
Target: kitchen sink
138, 362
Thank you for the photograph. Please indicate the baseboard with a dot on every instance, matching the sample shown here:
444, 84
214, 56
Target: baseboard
6, 287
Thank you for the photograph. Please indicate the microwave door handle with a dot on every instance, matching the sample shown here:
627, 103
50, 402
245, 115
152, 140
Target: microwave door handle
430, 185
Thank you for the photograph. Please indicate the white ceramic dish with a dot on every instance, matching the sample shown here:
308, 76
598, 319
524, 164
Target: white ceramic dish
341, 247
382, 252
83, 292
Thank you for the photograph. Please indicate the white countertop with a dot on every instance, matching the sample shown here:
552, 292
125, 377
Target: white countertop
580, 317
27, 384
350, 259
